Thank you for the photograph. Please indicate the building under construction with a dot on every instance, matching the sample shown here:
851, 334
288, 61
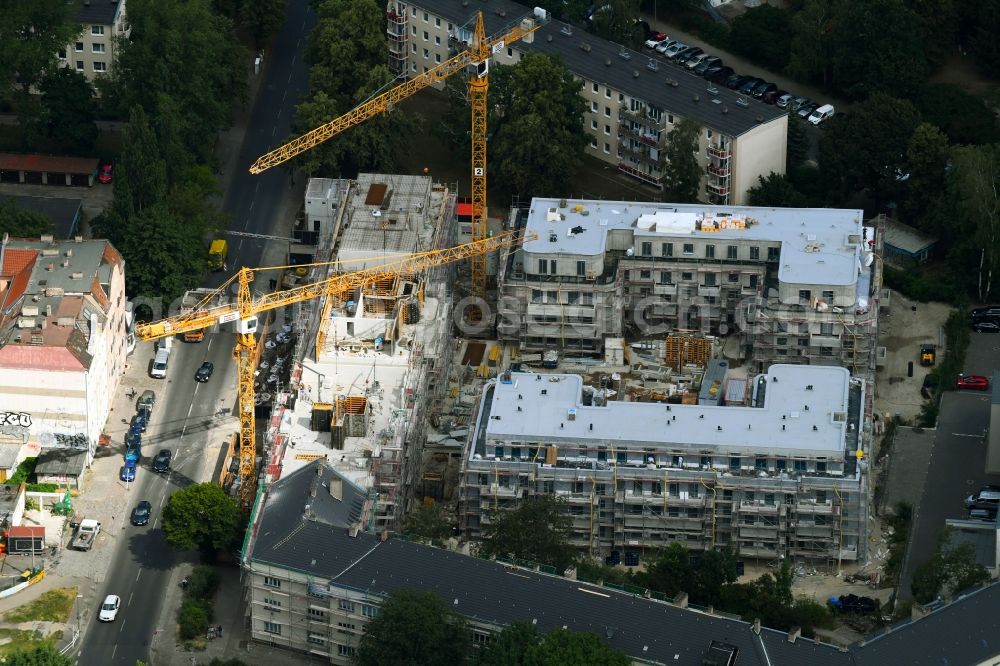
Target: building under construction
768, 466
367, 361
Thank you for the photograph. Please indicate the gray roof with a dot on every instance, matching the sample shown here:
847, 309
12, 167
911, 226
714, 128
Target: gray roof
64, 214
631, 77
906, 238
97, 12
964, 632
61, 462
9, 454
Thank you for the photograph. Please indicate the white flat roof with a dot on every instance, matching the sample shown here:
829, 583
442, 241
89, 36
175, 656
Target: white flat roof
804, 409
815, 248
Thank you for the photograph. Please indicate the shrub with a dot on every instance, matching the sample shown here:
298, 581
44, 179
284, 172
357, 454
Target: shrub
202, 584
193, 620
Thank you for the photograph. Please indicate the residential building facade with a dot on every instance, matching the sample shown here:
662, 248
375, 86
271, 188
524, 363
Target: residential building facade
795, 285
63, 341
92, 52
634, 100
775, 478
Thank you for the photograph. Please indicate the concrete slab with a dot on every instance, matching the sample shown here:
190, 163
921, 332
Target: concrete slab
909, 463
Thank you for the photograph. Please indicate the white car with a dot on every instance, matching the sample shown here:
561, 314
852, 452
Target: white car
655, 40
821, 114
109, 609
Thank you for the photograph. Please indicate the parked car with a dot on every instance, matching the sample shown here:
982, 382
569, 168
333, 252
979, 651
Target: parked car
807, 109
105, 176
928, 386
133, 452
987, 311
760, 89
687, 54
697, 60
662, 48
988, 515
986, 326
204, 373
799, 102
109, 609
972, 382
161, 463
133, 438
821, 114
986, 497
784, 100
674, 49
735, 81
750, 84
655, 40
706, 64
146, 400
772, 96
140, 514
127, 472
139, 421
852, 603
718, 74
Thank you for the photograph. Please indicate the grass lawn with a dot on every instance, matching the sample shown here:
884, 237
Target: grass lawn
25, 640
53, 606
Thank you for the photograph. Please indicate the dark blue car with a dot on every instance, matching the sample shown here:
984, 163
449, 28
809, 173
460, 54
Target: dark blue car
127, 472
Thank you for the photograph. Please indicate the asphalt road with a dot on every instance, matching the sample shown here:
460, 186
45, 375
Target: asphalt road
958, 459
181, 422
253, 203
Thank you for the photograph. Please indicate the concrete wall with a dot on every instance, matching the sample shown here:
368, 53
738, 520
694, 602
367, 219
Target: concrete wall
757, 153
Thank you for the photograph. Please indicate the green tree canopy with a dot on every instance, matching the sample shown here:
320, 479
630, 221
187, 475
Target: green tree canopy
536, 127
537, 530
763, 34
201, 516
20, 223
68, 110
616, 20
952, 569
927, 156
339, 60
963, 117
573, 648
429, 522
44, 655
775, 191
414, 629
141, 172
263, 18
682, 175
31, 34
867, 148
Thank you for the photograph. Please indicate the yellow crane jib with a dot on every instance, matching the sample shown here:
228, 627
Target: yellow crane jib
386, 100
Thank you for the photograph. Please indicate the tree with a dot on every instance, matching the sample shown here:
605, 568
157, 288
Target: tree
682, 176
68, 113
511, 646
615, 20
429, 522
522, 645
964, 117
537, 530
414, 629
31, 34
715, 568
811, 44
141, 174
44, 655
938, 21
671, 572
339, 60
775, 191
263, 18
867, 149
763, 34
536, 127
798, 142
201, 516
982, 21
975, 205
927, 158
20, 223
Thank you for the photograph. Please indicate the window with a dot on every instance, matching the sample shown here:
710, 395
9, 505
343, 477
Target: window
317, 613
78, 47
602, 456
709, 279
753, 281
97, 48
621, 97
645, 275
647, 249
581, 268
688, 248
607, 130
667, 250
773, 254
782, 341
686, 277
346, 605
665, 277
62, 54
607, 148
799, 465
734, 277
755, 253
760, 463
710, 252
272, 604
607, 111
621, 457
588, 298
670, 118
708, 134
732, 252
425, 17
734, 462
593, 107
595, 87
271, 581
551, 297
804, 295
427, 54
498, 451
316, 638
593, 144
99, 66
593, 125
573, 298
548, 487
543, 266
413, 29
607, 93
828, 297
272, 628
437, 22
437, 58
826, 329
693, 490
706, 461
345, 650
97, 30
79, 65
552, 265
536, 295
437, 40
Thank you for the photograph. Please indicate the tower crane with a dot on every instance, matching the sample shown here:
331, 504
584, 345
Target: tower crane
247, 307
477, 55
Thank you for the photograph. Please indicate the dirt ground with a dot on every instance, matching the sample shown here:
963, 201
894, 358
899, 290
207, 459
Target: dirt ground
903, 327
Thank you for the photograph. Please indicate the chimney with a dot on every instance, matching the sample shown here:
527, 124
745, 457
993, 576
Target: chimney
337, 488
77, 239
756, 626
681, 600
794, 633
69, 252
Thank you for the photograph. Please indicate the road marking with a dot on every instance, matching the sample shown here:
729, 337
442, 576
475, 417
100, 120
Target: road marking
289, 79
279, 114
273, 130
162, 499
130, 598
256, 187
963, 434
140, 570
284, 95
251, 206
114, 651
123, 626
191, 408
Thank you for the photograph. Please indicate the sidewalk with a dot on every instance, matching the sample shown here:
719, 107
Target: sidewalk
744, 67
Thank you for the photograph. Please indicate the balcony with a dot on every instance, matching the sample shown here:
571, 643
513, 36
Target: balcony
648, 139
814, 531
636, 173
708, 290
639, 116
718, 153
720, 189
664, 289
759, 508
825, 508
394, 18
722, 171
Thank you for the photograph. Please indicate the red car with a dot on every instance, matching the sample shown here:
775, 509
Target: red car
104, 176
973, 382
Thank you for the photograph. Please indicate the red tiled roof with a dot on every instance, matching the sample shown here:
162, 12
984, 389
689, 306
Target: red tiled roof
50, 163
27, 531
38, 357
16, 259
20, 279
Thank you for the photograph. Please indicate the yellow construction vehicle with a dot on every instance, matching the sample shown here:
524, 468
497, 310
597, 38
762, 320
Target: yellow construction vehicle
477, 55
244, 311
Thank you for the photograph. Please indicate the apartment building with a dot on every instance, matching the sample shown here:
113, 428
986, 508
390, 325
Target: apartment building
92, 53
314, 577
777, 477
793, 284
634, 99
63, 340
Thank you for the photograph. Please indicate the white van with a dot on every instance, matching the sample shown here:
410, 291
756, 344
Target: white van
821, 114
159, 369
